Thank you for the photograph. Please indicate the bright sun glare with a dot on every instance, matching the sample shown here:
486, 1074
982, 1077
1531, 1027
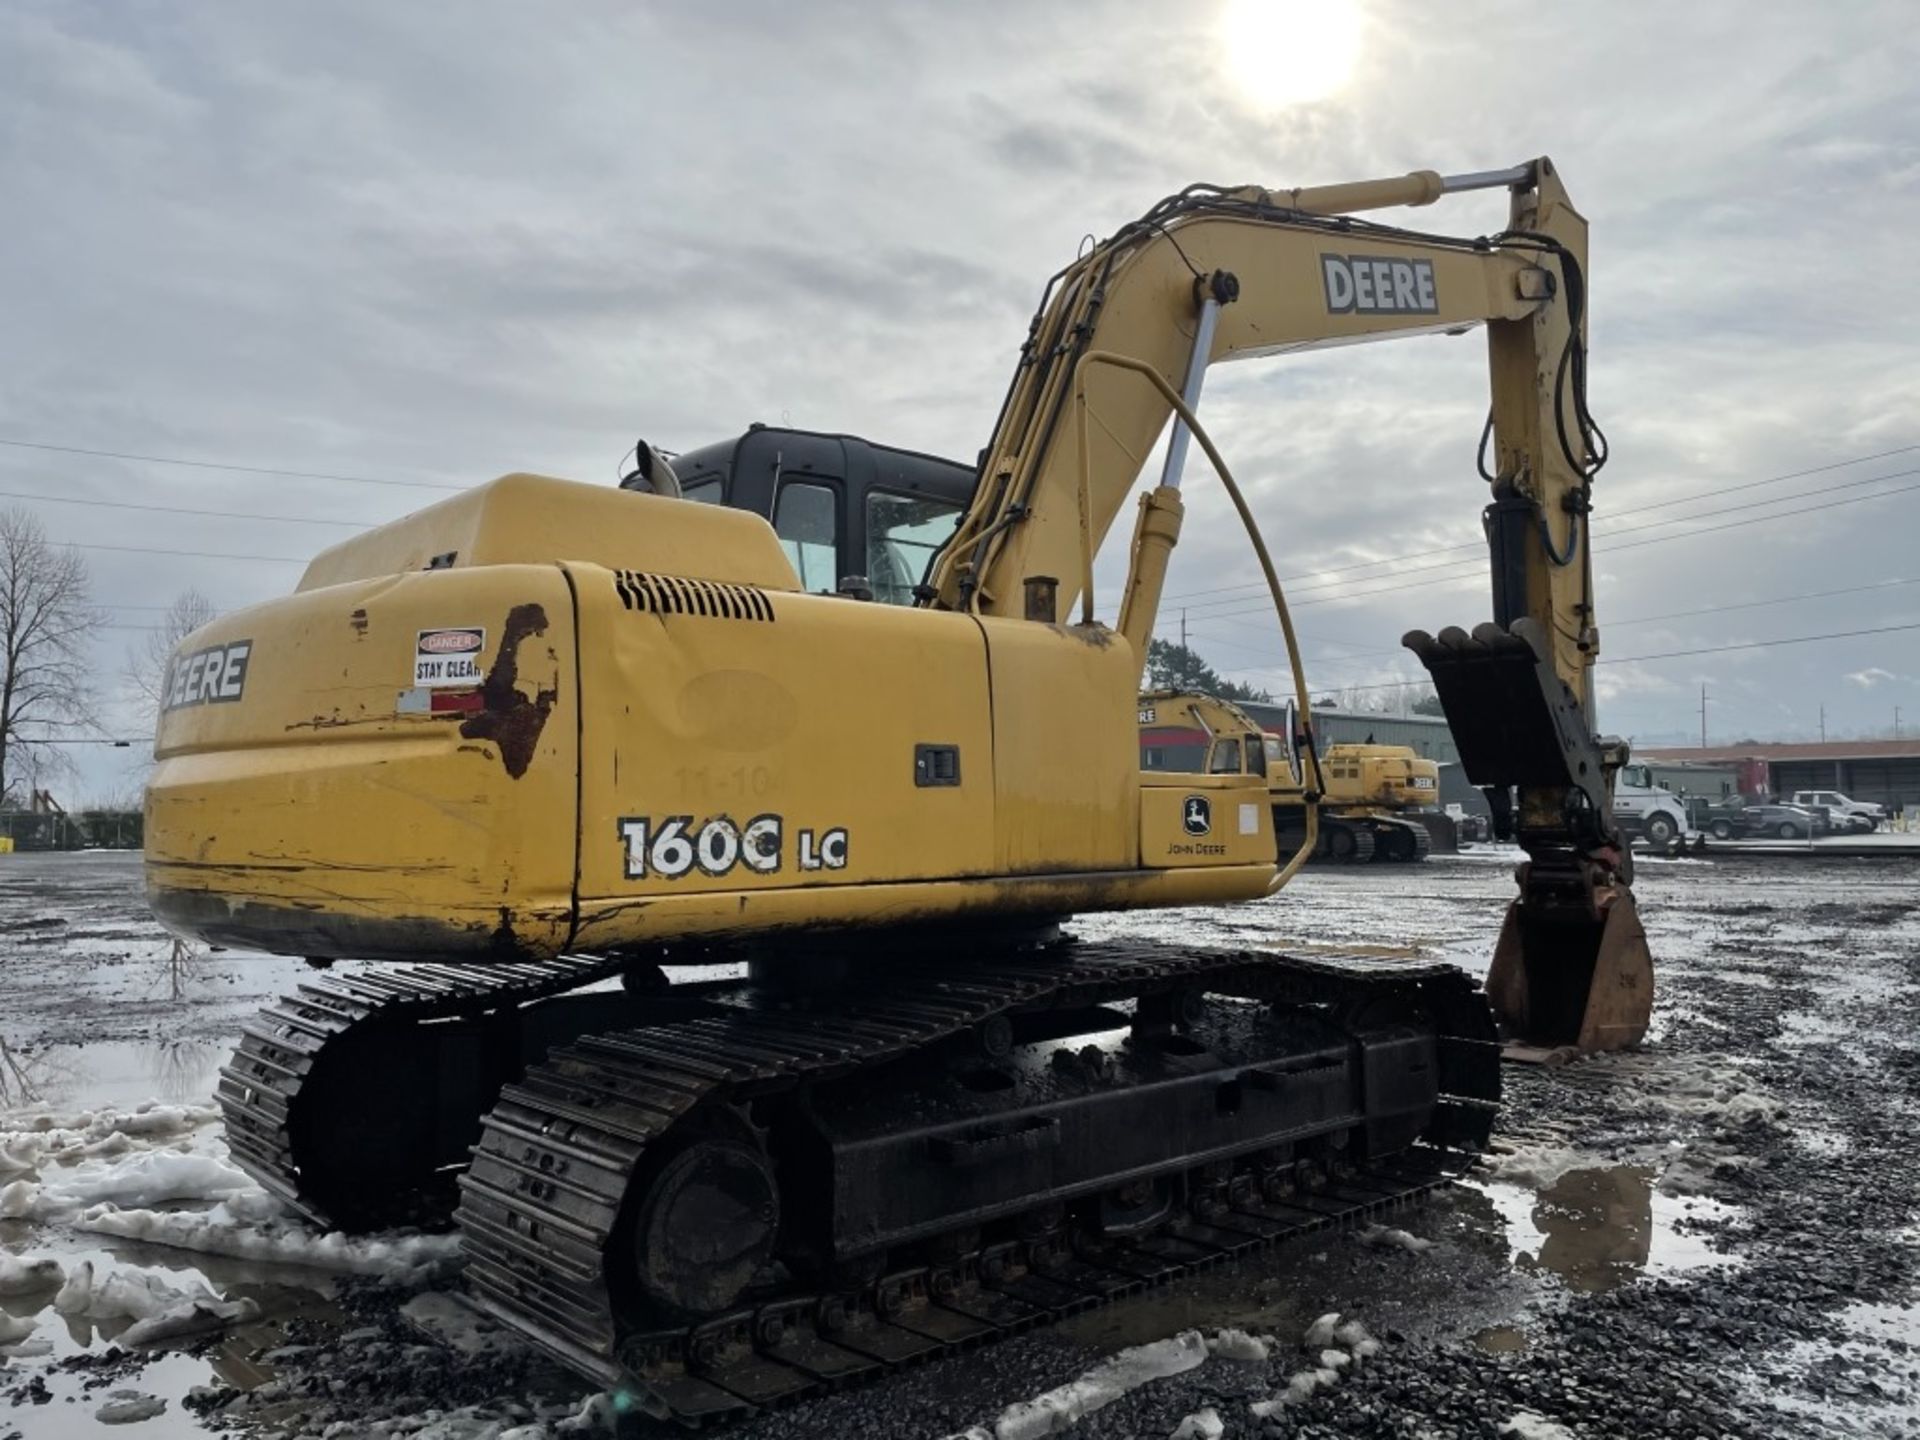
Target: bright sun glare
1290, 52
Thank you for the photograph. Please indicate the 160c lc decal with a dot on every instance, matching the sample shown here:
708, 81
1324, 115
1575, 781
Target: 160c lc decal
673, 847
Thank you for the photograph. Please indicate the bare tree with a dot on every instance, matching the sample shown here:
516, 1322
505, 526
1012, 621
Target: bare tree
47, 623
146, 669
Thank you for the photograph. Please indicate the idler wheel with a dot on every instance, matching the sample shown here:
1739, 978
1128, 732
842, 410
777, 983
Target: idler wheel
706, 1224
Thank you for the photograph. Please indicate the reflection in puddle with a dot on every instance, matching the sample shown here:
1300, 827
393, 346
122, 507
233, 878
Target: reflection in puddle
1598, 1228
1501, 1339
123, 1073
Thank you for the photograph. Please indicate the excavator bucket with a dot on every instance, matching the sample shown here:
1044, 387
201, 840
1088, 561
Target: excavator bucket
1561, 980
1572, 966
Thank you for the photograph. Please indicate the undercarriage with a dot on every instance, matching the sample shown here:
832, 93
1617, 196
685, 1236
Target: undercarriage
723, 1194
1356, 837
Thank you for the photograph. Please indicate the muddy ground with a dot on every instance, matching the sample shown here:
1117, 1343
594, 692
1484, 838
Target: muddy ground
1713, 1237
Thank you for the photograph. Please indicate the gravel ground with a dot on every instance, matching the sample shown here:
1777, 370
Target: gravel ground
1713, 1237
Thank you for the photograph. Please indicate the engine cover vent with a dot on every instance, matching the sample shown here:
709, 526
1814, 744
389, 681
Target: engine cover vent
678, 595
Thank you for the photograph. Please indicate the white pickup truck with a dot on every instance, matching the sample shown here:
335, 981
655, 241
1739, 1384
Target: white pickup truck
1857, 815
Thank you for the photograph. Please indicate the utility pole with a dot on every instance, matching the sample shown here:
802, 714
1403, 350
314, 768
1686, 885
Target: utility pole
1896, 722
1823, 724
1183, 627
1703, 715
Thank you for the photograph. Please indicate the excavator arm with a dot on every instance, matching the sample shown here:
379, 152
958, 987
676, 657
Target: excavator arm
1215, 274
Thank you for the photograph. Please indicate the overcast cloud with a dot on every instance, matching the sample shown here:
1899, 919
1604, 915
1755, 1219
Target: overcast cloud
439, 242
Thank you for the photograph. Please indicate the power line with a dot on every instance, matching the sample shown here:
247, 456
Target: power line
1616, 515
1774, 480
1761, 519
1757, 644
1667, 654
1758, 504
1246, 607
182, 510
1611, 625
190, 554
1759, 604
216, 465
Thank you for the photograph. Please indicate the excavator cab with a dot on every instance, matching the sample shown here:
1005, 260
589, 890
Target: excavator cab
856, 518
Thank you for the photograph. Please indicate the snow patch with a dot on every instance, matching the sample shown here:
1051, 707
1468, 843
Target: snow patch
1525, 1425
1201, 1425
1384, 1238
160, 1311
29, 1277
1101, 1386
1535, 1167
443, 1318
197, 1316
1355, 1346
1238, 1345
149, 1177
149, 1121
32, 1141
130, 1407
13, 1331
251, 1226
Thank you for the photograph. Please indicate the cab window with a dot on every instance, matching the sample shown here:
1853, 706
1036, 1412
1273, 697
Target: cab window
1226, 758
1179, 750
706, 490
806, 517
903, 532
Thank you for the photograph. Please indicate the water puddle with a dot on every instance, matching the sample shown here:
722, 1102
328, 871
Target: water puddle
1599, 1228
120, 1073
68, 1369
1501, 1339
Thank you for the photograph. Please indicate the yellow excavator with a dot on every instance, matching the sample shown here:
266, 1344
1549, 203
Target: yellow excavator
856, 1097
1367, 786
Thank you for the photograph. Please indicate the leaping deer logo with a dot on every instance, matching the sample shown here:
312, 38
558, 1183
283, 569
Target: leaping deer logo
1197, 816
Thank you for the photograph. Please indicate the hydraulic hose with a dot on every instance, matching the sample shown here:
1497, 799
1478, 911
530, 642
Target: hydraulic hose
1312, 787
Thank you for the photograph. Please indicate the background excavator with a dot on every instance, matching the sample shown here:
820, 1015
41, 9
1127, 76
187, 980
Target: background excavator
542, 736
1364, 787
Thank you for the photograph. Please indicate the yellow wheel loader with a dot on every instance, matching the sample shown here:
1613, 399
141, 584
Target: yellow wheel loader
1367, 786
859, 1098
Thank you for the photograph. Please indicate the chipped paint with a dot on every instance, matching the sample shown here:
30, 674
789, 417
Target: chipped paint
508, 718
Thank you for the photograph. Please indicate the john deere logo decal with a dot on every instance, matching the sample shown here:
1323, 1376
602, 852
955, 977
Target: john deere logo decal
1197, 815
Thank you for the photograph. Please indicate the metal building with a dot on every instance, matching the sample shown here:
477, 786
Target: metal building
1884, 771
1425, 735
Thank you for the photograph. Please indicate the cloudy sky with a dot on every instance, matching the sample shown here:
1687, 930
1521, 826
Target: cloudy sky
427, 244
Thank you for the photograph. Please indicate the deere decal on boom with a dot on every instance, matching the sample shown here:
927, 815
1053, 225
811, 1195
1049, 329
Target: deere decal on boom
543, 734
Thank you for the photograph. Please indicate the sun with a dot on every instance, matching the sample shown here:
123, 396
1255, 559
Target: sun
1290, 52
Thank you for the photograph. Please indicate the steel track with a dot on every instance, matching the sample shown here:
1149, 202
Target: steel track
543, 1197
543, 1200
259, 1090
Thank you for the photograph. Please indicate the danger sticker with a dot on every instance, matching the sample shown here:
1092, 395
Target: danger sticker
448, 657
